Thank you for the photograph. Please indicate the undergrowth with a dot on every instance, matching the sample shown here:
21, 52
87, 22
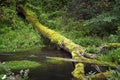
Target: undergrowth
111, 56
18, 34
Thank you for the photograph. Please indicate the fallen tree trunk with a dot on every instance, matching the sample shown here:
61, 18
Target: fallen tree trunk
78, 52
103, 48
111, 45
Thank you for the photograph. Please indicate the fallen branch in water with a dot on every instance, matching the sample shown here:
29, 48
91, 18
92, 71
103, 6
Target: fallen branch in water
94, 62
62, 59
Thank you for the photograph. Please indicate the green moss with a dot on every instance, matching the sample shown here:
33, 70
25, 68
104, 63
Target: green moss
54, 61
74, 54
97, 62
79, 71
24, 64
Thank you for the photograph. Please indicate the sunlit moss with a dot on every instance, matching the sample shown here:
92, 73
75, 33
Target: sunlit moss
24, 64
79, 71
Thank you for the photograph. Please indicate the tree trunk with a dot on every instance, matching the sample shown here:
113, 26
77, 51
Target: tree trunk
78, 52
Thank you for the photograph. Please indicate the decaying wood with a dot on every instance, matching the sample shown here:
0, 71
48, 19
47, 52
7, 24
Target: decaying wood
78, 52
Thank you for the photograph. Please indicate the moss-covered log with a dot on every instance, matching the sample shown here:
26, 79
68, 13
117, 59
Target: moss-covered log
76, 50
111, 45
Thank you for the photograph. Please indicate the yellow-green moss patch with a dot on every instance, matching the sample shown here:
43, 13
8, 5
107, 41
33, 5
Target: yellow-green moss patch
79, 71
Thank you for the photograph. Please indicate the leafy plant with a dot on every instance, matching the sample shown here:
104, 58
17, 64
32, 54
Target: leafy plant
86, 9
111, 56
85, 41
115, 75
105, 23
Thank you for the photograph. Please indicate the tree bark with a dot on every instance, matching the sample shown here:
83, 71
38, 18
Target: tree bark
78, 52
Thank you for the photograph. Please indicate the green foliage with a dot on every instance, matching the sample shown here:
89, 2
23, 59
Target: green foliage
91, 49
18, 36
7, 74
113, 38
118, 32
102, 24
8, 3
8, 15
115, 75
86, 9
15, 33
3, 69
105, 23
50, 5
85, 41
111, 56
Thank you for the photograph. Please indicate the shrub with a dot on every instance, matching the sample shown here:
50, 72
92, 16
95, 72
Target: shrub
86, 9
105, 23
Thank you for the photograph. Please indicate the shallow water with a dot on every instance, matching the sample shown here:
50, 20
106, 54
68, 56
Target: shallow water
51, 69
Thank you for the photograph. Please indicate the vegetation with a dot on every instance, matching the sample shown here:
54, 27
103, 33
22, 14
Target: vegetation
7, 68
15, 33
89, 23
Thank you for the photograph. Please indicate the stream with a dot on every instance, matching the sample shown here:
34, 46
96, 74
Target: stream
50, 70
